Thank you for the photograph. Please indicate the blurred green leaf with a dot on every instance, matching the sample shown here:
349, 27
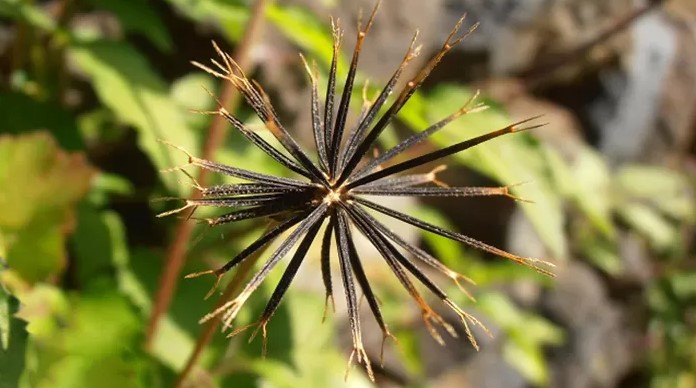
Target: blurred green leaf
96, 342
527, 334
100, 126
22, 113
467, 261
28, 13
684, 285
5, 316
229, 15
138, 16
92, 247
102, 255
315, 361
644, 219
13, 341
602, 254
510, 160
592, 190
106, 185
304, 29
126, 83
666, 189
45, 308
528, 360
40, 185
138, 273
189, 92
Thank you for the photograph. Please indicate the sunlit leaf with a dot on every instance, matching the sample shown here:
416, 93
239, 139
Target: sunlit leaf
304, 29
41, 183
526, 335
592, 189
44, 308
510, 160
28, 13
125, 82
229, 15
189, 92
315, 361
666, 189
684, 285
602, 254
661, 234
102, 256
94, 343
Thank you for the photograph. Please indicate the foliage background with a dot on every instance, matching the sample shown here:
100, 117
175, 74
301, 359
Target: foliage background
87, 87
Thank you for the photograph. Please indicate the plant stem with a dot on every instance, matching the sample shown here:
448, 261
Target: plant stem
536, 75
176, 252
210, 326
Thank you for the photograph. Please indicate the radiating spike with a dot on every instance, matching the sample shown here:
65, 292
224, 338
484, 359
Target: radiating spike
438, 154
405, 94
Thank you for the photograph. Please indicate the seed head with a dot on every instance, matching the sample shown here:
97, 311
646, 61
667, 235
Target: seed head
334, 187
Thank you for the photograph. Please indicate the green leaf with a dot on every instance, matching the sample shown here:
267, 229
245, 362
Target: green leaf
22, 113
94, 341
526, 335
92, 248
28, 13
305, 30
315, 361
13, 341
684, 285
189, 92
138, 274
229, 15
528, 360
592, 190
125, 82
510, 160
667, 190
138, 16
45, 308
40, 184
101, 249
602, 254
643, 218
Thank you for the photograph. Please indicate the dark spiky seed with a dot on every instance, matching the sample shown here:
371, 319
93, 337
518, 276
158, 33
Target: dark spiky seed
335, 190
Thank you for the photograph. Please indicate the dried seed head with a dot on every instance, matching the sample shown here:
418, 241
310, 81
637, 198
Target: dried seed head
333, 190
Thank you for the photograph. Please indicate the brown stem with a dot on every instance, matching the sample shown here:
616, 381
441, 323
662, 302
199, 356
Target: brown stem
210, 326
537, 74
176, 253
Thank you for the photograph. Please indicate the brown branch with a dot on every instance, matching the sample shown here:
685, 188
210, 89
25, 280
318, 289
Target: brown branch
544, 70
176, 253
210, 326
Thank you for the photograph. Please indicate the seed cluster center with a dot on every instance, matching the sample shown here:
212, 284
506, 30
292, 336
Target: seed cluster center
333, 196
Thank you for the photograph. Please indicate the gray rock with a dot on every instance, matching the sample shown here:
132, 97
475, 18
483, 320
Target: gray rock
635, 92
598, 349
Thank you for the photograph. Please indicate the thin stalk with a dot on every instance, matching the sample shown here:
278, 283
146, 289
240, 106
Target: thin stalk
211, 326
535, 76
176, 252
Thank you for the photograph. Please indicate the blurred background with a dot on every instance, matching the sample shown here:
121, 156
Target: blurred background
90, 292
